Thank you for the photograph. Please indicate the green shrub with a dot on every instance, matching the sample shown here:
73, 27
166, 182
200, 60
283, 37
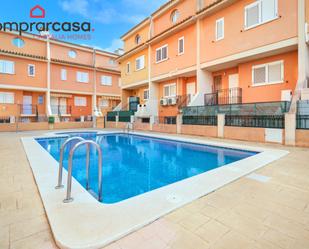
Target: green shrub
51, 120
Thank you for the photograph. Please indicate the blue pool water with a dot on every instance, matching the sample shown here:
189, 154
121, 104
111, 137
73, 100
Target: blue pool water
134, 164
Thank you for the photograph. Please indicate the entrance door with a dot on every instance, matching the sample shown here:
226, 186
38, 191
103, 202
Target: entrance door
54, 105
217, 83
233, 80
190, 91
63, 105
233, 93
27, 105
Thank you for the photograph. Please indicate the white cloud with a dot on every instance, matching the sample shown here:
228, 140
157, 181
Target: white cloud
115, 44
75, 6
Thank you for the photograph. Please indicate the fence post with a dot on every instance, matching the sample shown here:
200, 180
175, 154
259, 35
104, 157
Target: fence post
220, 125
178, 123
151, 122
117, 120
132, 119
290, 128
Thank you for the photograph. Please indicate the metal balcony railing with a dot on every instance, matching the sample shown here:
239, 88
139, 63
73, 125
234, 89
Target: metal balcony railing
28, 110
61, 110
224, 97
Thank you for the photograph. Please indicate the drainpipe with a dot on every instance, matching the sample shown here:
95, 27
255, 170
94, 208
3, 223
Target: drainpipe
94, 96
48, 107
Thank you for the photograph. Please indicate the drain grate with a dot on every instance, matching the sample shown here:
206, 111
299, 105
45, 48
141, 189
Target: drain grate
258, 177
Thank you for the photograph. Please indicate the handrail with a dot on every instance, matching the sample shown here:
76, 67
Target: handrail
61, 159
69, 181
128, 128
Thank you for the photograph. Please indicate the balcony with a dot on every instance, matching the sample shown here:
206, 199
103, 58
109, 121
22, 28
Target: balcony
61, 110
28, 110
224, 97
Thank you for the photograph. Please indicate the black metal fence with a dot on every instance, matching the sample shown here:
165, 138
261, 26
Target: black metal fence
302, 122
200, 120
124, 116
262, 121
224, 97
165, 120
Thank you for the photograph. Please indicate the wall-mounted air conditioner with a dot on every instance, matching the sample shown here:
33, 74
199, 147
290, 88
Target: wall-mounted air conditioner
174, 101
163, 102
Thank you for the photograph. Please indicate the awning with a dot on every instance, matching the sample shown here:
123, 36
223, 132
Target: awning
111, 97
61, 95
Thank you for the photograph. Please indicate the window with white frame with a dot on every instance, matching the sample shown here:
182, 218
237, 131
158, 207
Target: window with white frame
270, 73
80, 101
31, 70
181, 46
220, 29
106, 80
169, 90
140, 63
146, 94
104, 103
259, 12
162, 53
7, 67
6, 98
63, 74
82, 77
128, 67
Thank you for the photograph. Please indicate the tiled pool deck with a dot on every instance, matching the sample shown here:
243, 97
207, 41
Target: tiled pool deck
253, 213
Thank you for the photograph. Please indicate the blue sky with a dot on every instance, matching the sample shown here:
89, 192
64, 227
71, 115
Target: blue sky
110, 18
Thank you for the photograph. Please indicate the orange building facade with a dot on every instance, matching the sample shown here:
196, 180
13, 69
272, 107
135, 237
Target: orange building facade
207, 52
42, 77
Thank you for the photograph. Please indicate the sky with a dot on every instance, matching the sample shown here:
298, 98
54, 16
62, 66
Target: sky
109, 18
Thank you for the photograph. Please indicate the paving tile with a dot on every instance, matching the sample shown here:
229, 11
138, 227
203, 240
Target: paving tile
4, 237
212, 231
28, 227
233, 240
194, 221
279, 239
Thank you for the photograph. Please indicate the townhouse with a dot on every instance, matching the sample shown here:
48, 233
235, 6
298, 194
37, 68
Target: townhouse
41, 77
206, 52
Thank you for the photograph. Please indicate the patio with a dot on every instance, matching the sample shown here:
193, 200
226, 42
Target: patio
267, 210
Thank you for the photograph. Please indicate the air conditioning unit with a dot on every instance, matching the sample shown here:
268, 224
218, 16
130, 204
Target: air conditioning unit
174, 101
163, 102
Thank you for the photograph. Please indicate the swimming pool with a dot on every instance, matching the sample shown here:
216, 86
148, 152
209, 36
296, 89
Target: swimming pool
135, 164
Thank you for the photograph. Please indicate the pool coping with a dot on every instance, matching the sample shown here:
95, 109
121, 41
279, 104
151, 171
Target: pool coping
105, 223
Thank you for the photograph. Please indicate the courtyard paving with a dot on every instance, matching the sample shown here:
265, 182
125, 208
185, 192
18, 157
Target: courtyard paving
246, 214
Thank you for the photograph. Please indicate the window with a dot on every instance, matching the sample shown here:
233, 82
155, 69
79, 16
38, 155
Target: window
220, 29
31, 70
175, 16
146, 94
259, 12
128, 67
140, 63
18, 42
138, 39
106, 80
162, 54
6, 98
169, 90
82, 77
80, 101
72, 54
7, 67
112, 62
181, 46
63, 74
41, 100
104, 103
270, 73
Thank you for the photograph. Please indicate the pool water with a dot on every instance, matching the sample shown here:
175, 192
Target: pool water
134, 164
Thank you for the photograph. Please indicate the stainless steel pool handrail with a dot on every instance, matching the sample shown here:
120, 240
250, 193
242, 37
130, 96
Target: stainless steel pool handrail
69, 182
128, 128
60, 185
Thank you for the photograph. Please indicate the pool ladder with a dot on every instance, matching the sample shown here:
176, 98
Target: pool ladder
129, 126
71, 154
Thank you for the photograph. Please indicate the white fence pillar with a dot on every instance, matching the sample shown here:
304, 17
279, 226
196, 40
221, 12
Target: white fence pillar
151, 122
220, 125
117, 121
179, 123
290, 128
